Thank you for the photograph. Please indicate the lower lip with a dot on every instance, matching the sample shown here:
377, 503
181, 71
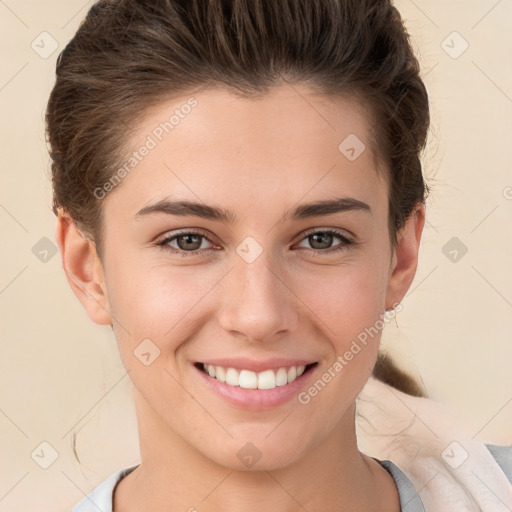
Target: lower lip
256, 399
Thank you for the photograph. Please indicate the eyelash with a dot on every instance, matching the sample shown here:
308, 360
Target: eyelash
346, 242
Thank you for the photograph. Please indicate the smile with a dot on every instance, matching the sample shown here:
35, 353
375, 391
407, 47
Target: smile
247, 379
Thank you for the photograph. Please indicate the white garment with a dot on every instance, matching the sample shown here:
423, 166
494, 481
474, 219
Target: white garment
451, 471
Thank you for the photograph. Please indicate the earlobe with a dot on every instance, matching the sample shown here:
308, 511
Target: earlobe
83, 269
405, 257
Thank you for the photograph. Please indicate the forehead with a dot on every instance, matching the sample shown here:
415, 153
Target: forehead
286, 115
284, 144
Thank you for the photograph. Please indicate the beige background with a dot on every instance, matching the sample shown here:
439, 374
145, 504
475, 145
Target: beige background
61, 373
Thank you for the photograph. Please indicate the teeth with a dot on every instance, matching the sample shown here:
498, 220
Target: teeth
247, 379
267, 379
281, 377
232, 377
220, 373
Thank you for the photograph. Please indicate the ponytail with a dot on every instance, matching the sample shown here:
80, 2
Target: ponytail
388, 372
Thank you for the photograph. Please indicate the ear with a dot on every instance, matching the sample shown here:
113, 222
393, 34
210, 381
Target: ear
83, 269
405, 257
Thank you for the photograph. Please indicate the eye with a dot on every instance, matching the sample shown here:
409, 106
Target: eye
321, 240
187, 243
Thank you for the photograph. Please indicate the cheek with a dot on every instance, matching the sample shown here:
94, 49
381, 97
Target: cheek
349, 304
161, 303
346, 299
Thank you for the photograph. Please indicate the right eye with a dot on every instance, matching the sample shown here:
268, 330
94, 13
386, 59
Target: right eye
188, 243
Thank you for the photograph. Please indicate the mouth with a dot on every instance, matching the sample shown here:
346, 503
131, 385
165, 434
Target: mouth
248, 379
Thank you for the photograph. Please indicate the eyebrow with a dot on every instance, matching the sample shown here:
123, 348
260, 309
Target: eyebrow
319, 208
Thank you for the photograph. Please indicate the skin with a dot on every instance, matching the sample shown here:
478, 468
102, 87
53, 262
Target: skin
258, 158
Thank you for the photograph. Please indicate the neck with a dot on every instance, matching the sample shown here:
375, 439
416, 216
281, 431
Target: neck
173, 476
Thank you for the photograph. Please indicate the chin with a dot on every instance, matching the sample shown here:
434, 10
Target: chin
254, 456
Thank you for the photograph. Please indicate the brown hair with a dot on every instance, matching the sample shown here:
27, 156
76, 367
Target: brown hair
128, 55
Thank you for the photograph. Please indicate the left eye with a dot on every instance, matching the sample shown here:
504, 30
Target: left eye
325, 238
189, 243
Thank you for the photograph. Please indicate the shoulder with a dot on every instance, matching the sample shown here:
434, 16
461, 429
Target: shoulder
101, 497
409, 496
410, 500
503, 456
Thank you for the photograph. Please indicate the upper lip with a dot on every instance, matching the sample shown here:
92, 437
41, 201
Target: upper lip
241, 363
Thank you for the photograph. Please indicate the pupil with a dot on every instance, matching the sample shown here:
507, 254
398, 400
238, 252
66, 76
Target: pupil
322, 237
193, 239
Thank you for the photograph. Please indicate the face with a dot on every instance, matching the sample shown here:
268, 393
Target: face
250, 280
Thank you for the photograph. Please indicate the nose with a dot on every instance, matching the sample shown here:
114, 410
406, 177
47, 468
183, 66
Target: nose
258, 303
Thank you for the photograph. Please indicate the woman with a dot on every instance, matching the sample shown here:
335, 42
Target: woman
240, 196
